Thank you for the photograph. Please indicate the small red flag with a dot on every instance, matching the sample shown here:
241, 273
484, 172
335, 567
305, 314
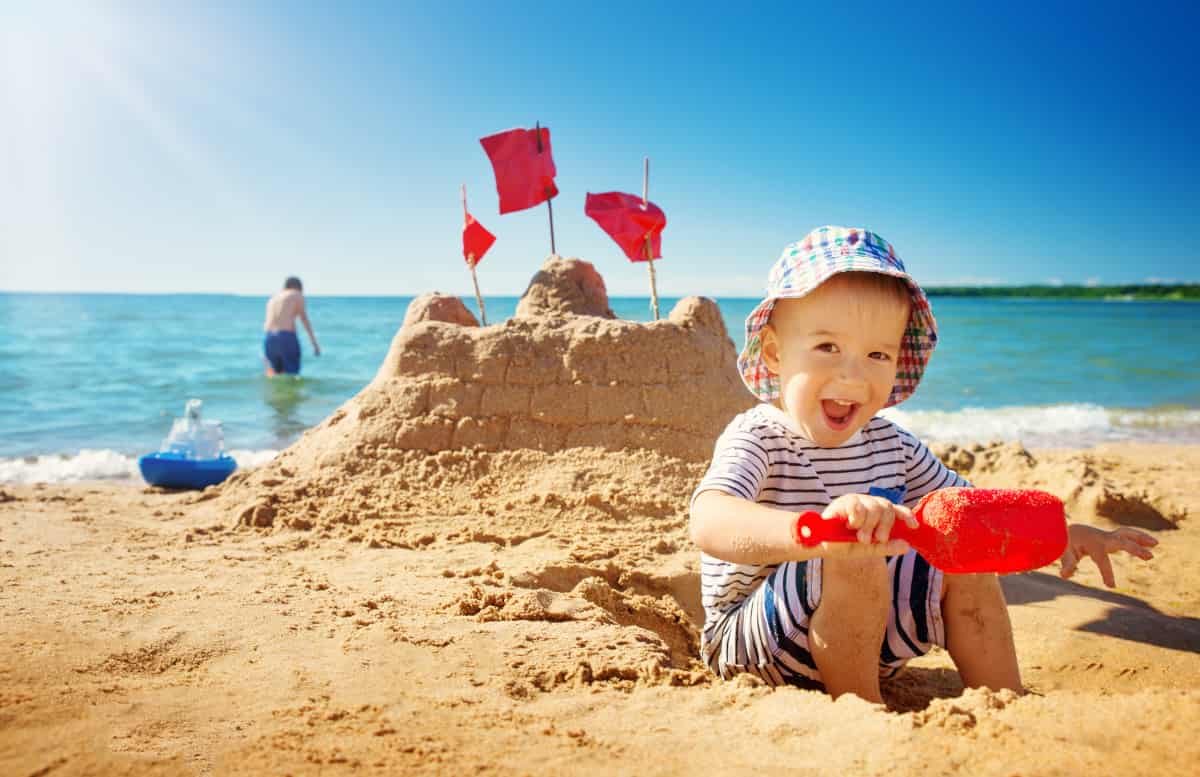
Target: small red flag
476, 240
629, 222
523, 165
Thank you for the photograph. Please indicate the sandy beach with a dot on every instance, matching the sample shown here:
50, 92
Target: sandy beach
481, 564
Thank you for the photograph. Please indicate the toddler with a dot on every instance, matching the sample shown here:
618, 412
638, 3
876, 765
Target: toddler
843, 333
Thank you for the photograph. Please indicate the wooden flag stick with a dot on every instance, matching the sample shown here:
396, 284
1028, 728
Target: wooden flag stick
649, 250
549, 207
478, 296
653, 289
471, 263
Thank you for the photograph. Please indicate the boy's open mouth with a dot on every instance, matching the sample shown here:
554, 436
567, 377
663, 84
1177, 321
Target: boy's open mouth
838, 413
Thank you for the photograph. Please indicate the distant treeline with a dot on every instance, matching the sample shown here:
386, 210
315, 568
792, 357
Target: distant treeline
1177, 291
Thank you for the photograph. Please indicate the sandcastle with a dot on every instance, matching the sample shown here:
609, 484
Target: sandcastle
561, 404
552, 378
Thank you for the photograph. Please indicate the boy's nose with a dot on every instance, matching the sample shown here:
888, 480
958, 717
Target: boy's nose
852, 373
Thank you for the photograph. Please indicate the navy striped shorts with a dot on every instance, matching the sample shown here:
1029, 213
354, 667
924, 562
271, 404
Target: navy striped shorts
767, 633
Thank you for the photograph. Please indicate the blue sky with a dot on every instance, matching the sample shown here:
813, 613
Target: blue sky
218, 147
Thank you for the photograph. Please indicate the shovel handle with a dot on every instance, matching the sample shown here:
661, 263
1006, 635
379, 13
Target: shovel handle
812, 529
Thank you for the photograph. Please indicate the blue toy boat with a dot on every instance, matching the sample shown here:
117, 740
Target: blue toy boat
175, 470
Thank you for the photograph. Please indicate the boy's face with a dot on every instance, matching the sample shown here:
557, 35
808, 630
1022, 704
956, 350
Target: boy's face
835, 352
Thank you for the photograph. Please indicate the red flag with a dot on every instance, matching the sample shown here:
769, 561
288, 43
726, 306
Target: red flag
523, 165
629, 222
476, 240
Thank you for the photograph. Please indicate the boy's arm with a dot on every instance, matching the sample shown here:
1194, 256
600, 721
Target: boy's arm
744, 532
308, 328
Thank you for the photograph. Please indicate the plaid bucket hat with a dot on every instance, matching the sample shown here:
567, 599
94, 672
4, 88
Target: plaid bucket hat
805, 265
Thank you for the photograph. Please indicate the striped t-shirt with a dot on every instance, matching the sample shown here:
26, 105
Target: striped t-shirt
762, 458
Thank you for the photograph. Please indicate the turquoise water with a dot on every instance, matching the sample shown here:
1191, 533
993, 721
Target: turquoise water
105, 374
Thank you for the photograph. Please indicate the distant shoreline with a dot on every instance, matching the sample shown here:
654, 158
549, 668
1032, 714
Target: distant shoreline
1183, 292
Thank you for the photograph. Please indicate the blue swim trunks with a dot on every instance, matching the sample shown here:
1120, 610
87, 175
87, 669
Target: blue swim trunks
282, 350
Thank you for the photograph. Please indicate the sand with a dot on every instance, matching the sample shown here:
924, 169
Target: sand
480, 564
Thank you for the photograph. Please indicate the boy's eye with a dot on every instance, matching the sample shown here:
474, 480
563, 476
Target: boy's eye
880, 356
827, 348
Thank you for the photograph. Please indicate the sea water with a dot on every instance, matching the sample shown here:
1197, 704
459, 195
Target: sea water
90, 381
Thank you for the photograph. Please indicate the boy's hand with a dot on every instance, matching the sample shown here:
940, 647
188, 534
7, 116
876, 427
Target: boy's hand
873, 518
1084, 540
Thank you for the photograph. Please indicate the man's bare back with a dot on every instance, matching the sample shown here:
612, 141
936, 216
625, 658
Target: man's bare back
282, 311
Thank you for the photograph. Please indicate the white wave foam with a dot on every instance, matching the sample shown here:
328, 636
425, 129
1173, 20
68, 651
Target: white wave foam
1157, 419
85, 465
248, 459
98, 465
1066, 425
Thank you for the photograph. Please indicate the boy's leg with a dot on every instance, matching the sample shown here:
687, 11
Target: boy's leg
848, 626
978, 632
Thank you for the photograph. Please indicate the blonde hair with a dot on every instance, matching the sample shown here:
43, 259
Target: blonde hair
879, 284
870, 284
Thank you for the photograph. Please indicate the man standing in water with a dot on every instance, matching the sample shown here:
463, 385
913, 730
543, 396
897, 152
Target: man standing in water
280, 345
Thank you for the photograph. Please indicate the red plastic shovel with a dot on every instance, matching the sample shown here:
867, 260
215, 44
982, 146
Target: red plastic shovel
968, 529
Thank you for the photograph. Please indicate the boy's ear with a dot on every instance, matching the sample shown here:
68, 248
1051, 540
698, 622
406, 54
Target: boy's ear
770, 348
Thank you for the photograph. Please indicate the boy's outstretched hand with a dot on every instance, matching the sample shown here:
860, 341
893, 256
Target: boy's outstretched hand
1084, 540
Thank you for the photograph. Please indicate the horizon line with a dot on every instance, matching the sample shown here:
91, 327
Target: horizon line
929, 288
